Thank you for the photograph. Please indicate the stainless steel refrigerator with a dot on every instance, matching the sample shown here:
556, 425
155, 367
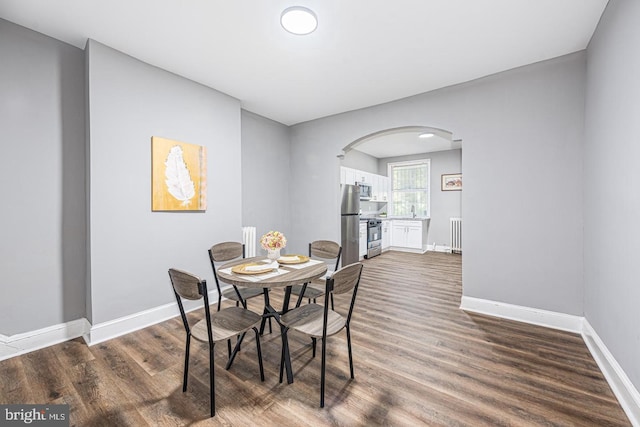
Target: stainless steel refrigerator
350, 224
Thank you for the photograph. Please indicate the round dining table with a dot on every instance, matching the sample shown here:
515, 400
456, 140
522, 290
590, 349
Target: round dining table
290, 274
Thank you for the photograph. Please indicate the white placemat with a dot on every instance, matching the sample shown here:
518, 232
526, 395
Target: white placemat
304, 264
256, 277
263, 276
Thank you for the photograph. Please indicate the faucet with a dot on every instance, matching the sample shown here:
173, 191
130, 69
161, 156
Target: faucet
413, 211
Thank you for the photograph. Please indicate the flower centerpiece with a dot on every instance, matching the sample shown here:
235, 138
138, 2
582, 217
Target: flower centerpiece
273, 241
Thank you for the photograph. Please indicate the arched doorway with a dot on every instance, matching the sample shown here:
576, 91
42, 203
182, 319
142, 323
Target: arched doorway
380, 155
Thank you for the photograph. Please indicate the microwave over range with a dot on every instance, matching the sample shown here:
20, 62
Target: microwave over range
365, 191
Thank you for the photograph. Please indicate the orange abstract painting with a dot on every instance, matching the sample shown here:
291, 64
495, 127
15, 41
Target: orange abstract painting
178, 176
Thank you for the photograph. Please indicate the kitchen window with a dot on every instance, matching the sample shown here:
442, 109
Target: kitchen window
410, 188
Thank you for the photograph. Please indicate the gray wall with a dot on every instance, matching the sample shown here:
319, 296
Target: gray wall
42, 218
358, 160
266, 177
444, 204
522, 163
612, 177
131, 247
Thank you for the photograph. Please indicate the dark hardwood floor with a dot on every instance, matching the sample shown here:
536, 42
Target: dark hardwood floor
419, 360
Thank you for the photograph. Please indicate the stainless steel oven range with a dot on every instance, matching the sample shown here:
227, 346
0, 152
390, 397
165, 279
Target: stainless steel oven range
374, 237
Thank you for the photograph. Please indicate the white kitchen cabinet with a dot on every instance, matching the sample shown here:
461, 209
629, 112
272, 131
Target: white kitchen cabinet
363, 239
386, 234
398, 234
387, 187
385, 190
380, 191
379, 183
350, 176
363, 177
414, 236
407, 234
378, 187
374, 187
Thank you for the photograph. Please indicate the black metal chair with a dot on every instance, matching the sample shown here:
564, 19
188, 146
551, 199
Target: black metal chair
221, 326
325, 250
319, 321
227, 251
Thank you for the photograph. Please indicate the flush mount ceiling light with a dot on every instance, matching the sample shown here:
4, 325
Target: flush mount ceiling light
425, 135
299, 20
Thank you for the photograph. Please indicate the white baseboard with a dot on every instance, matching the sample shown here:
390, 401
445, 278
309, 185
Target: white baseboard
410, 250
114, 328
625, 392
437, 248
18, 344
618, 380
535, 316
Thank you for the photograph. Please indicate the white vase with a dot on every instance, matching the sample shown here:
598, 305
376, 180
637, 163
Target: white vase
273, 254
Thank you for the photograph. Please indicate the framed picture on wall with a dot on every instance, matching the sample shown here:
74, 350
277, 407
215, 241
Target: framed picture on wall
178, 176
451, 182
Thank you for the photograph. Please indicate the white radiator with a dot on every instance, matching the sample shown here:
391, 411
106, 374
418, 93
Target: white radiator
249, 240
455, 227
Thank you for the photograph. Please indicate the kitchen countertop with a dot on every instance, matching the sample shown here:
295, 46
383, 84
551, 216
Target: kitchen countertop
408, 218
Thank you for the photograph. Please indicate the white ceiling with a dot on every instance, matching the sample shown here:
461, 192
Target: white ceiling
364, 52
405, 142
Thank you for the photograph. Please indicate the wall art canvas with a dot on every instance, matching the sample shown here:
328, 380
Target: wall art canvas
451, 182
178, 176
